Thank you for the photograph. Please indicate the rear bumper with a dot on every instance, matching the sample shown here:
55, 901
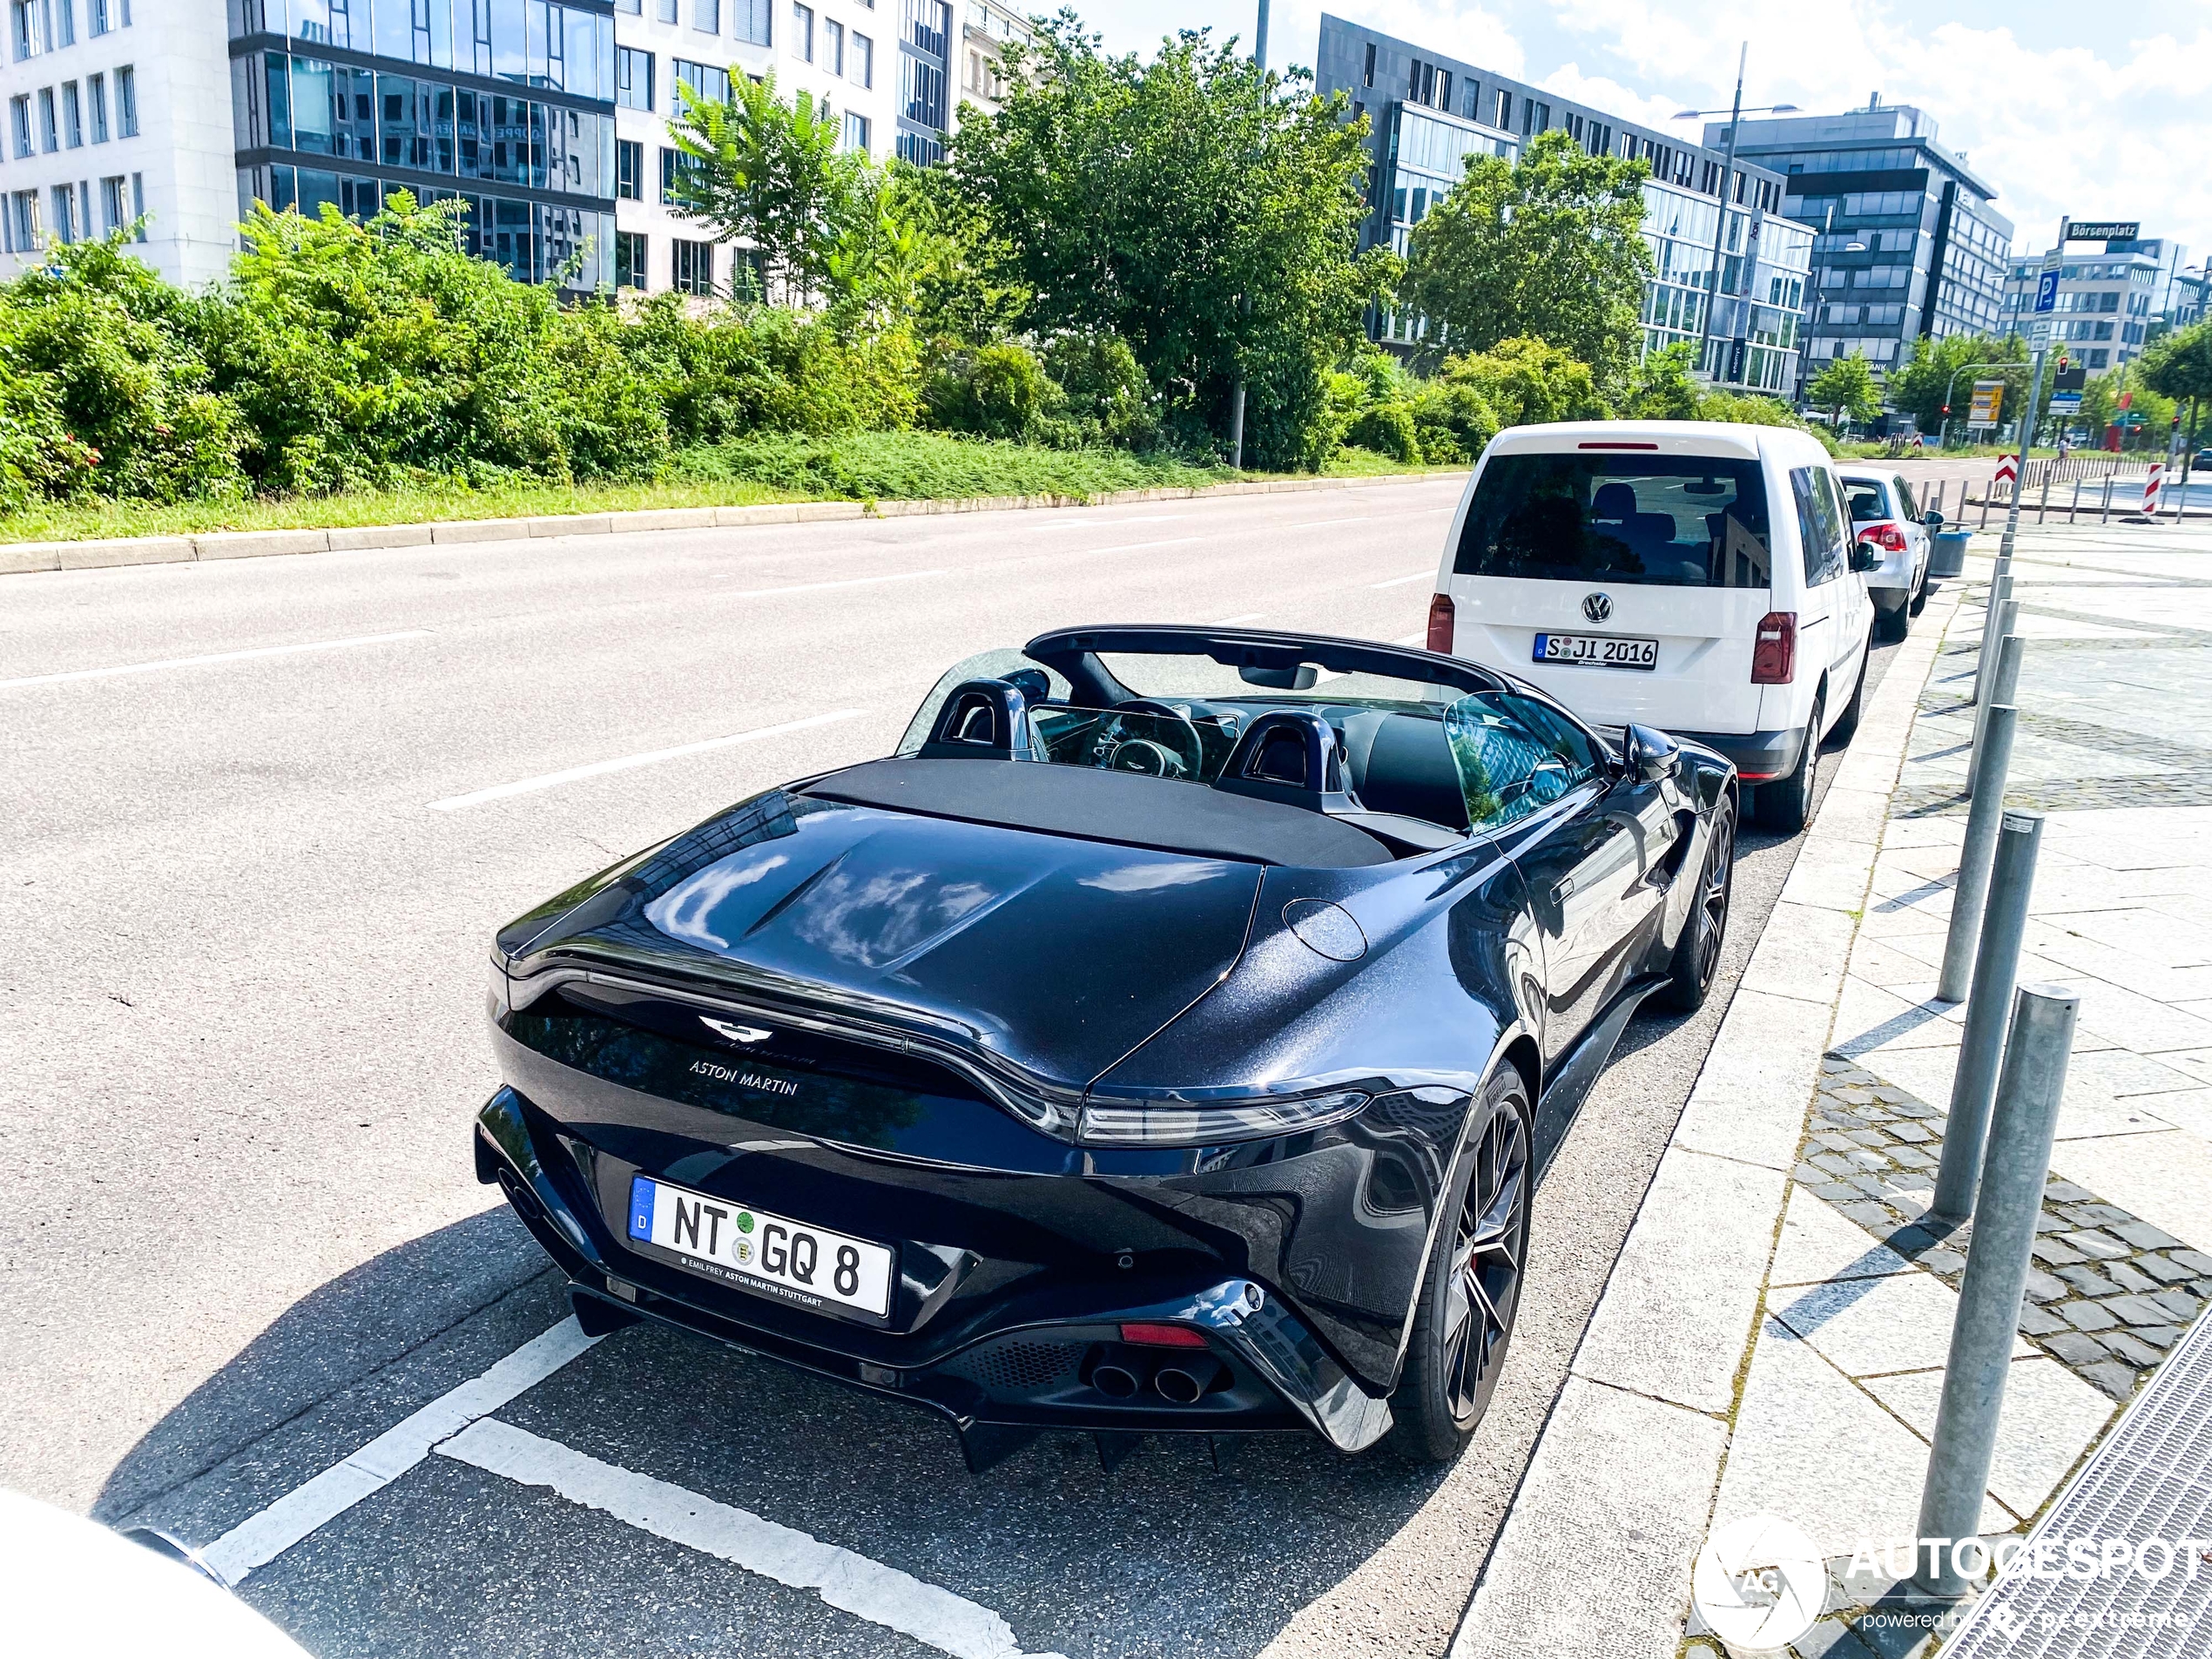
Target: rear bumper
1025, 1368
1759, 756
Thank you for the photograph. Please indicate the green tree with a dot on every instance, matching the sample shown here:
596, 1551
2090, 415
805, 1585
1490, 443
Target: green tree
1661, 388
1918, 384
1846, 388
772, 174
2180, 367
1550, 246
1204, 213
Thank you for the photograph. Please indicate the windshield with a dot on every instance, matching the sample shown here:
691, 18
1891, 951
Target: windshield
1661, 521
1868, 504
1169, 675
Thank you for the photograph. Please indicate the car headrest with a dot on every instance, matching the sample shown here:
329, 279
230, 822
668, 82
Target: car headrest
1614, 500
981, 720
1289, 755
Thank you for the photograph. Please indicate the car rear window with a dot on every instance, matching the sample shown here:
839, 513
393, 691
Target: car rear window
1869, 503
1663, 521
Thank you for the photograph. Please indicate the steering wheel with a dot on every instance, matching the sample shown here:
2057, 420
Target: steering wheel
1149, 756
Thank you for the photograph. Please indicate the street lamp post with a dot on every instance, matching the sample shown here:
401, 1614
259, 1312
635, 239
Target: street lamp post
1243, 307
1735, 114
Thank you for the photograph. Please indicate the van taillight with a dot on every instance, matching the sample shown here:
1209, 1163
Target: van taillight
1439, 624
1774, 652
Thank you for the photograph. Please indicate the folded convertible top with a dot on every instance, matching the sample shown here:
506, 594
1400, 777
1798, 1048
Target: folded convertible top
1121, 807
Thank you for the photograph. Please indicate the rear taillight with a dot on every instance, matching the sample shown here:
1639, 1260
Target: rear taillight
1439, 624
1886, 536
1774, 651
1163, 1336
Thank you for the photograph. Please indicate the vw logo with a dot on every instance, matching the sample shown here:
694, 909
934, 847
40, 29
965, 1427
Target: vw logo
1597, 606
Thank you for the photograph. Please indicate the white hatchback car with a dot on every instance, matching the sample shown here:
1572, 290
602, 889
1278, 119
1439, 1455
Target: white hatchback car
1887, 516
1692, 576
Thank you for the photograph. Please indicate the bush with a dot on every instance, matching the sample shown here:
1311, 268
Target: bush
1386, 428
1529, 383
872, 465
993, 392
1454, 422
1107, 399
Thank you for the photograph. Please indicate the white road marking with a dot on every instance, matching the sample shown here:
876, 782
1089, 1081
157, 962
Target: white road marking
1411, 639
1367, 518
213, 656
854, 1583
818, 587
1400, 581
1088, 523
651, 757
259, 1539
1230, 622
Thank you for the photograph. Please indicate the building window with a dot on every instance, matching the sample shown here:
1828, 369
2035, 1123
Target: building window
691, 266
21, 23
753, 20
629, 170
833, 46
64, 13
856, 133
707, 16
72, 116
705, 83
50, 137
137, 180
23, 222
633, 79
802, 28
629, 258
1368, 79
863, 61
1502, 116
95, 96
115, 204
19, 119
64, 198
126, 100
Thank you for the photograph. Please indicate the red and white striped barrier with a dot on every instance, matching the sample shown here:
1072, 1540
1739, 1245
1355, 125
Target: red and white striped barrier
2152, 485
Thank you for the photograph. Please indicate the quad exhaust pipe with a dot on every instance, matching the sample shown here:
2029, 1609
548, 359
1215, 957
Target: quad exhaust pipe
1115, 1380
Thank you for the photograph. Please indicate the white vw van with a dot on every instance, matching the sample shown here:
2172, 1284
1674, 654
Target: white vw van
1695, 576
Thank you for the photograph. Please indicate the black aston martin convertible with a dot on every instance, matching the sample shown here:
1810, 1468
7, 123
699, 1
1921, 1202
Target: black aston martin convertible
1165, 1039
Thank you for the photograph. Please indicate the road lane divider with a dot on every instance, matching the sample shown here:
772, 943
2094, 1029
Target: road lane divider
651, 757
1428, 575
852, 1583
212, 658
261, 1538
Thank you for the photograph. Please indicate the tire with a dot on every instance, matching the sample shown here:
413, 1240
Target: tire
1696, 959
1463, 1323
1846, 727
1921, 594
1892, 626
1784, 806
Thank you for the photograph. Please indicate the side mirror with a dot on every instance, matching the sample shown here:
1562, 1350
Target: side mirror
1863, 557
1933, 520
1649, 755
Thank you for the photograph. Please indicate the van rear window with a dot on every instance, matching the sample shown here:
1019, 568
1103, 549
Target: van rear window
1663, 520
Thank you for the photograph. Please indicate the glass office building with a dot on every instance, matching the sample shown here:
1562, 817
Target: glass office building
1906, 243
507, 104
1427, 112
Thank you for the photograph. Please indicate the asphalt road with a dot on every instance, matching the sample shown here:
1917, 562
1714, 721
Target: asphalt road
245, 904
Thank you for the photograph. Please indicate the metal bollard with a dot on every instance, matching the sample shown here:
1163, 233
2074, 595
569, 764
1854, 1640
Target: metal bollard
2105, 516
1972, 885
1982, 1332
1987, 490
2043, 501
1997, 960
2001, 589
2074, 506
2003, 683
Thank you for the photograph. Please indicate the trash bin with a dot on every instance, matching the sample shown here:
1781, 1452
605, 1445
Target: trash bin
1949, 556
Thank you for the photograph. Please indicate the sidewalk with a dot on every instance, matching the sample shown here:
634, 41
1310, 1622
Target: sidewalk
1772, 1336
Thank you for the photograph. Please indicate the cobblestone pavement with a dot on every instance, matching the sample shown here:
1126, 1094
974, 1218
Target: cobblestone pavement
2110, 1293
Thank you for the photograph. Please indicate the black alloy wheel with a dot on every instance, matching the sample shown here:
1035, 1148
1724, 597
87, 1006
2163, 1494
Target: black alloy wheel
1464, 1322
1697, 953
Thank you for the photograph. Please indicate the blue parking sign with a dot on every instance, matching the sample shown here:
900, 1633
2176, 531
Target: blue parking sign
2046, 291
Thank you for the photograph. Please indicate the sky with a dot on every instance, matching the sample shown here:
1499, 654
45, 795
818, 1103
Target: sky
2063, 107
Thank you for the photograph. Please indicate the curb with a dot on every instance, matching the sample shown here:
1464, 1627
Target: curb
1631, 1458
23, 557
